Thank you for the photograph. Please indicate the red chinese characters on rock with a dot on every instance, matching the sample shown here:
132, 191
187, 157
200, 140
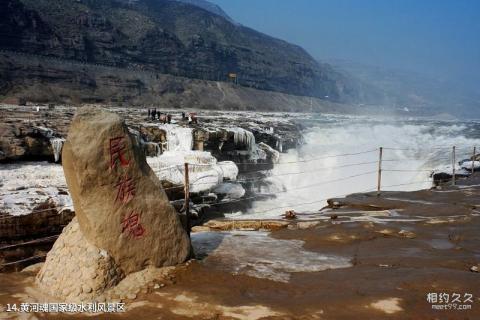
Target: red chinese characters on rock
131, 225
125, 189
117, 152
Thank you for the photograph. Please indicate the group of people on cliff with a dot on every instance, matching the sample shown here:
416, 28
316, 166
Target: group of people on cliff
167, 118
157, 115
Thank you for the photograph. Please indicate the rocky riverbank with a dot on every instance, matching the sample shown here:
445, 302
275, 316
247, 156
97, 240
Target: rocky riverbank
224, 149
364, 256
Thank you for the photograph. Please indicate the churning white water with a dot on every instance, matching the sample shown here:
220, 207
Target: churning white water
340, 156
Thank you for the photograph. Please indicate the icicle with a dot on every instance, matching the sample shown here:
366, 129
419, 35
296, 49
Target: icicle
57, 144
279, 145
245, 138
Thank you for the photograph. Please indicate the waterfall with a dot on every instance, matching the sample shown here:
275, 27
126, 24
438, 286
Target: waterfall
178, 138
57, 144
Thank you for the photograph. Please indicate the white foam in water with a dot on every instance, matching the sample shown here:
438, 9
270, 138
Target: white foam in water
258, 255
340, 135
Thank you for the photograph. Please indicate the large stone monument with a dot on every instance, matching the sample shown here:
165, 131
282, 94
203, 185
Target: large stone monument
124, 221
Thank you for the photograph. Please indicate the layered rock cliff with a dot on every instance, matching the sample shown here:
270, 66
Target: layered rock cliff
158, 36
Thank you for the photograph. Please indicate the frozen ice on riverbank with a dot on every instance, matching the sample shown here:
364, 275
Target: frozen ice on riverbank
24, 186
258, 255
178, 138
204, 171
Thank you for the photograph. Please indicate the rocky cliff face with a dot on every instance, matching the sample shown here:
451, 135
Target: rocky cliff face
164, 37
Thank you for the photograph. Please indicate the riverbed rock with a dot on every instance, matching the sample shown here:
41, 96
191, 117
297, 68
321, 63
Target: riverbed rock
119, 202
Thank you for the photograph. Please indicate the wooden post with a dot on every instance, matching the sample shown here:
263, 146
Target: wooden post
187, 198
473, 159
379, 176
453, 165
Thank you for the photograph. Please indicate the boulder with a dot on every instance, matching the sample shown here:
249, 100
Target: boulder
119, 202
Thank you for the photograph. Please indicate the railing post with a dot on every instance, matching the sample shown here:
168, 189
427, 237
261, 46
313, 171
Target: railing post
379, 175
473, 159
187, 199
453, 166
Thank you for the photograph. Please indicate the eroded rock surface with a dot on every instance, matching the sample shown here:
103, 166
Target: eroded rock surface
76, 270
124, 222
119, 201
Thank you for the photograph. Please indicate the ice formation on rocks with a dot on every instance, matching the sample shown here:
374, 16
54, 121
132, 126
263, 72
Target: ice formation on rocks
205, 173
24, 186
279, 145
57, 144
459, 170
229, 169
272, 153
243, 137
178, 138
467, 165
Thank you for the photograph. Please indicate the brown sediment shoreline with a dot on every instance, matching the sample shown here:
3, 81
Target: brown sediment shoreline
401, 245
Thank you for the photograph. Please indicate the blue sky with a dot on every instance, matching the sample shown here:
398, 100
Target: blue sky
440, 38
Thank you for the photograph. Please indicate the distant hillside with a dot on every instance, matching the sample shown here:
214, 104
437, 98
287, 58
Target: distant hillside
401, 91
213, 8
166, 37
